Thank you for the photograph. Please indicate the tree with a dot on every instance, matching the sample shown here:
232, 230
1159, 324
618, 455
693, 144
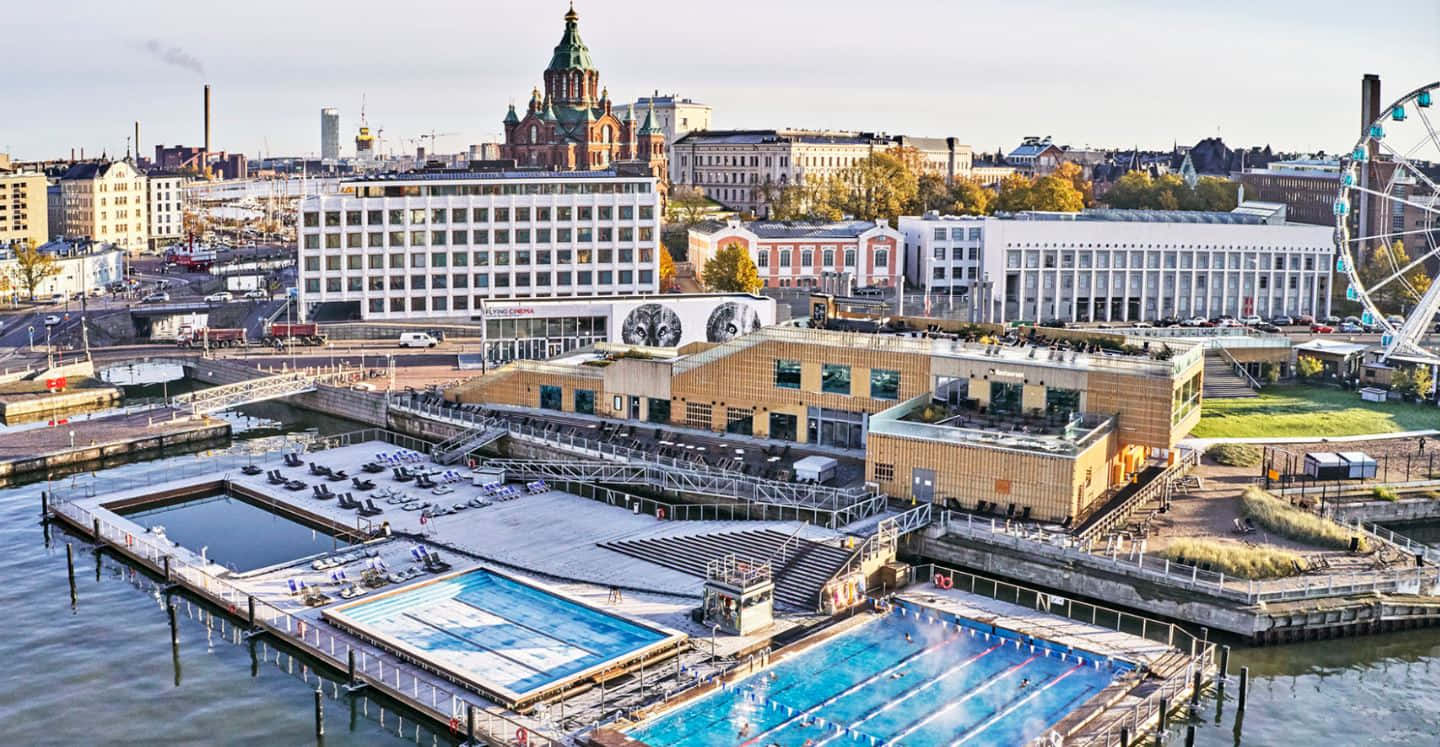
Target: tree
667, 268
881, 185
1071, 172
1380, 264
931, 194
967, 197
1309, 366
1131, 191
1217, 194
31, 268
688, 206
1048, 193
1013, 194
1136, 190
1422, 382
731, 270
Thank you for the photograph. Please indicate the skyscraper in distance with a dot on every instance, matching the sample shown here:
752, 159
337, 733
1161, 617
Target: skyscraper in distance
329, 134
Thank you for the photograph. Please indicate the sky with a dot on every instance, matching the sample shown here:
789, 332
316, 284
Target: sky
1105, 73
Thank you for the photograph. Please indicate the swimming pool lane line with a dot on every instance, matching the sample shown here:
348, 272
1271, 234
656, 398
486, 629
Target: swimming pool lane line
913, 692
986, 685
856, 687
865, 649
995, 717
477, 646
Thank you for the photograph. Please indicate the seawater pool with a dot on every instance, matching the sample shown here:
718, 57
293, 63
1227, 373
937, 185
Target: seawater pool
951, 683
234, 532
497, 631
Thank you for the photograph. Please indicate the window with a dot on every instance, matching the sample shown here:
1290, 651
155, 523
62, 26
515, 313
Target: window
585, 401
884, 472
787, 374
782, 426
1061, 401
1005, 397
834, 378
698, 415
784, 257
884, 384
657, 410
550, 397
739, 420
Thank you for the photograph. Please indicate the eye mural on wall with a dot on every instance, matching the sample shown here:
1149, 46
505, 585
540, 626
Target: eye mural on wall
653, 325
730, 320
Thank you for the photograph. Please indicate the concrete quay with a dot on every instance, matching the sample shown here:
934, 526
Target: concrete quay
40, 451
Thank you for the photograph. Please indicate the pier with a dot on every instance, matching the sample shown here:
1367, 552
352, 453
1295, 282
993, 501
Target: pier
68, 446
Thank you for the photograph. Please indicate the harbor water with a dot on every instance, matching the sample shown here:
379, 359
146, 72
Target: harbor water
100, 669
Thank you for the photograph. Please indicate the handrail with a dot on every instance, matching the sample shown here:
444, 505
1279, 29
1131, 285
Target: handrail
1189, 459
782, 553
1238, 369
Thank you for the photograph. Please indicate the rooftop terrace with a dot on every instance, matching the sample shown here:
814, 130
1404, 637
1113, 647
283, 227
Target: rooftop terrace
1060, 434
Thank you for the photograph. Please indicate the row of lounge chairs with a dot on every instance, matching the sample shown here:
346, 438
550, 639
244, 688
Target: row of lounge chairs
397, 458
431, 561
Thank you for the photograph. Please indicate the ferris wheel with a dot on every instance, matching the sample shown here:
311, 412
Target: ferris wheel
1390, 191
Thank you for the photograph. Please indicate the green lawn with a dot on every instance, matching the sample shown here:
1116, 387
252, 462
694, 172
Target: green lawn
1282, 411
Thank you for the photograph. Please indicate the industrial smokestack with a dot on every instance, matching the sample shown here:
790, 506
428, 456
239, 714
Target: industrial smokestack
1369, 112
137, 142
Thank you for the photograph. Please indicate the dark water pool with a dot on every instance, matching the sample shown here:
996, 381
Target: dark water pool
236, 533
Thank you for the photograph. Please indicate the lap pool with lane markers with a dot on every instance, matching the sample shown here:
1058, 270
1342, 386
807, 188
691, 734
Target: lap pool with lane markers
948, 685
499, 630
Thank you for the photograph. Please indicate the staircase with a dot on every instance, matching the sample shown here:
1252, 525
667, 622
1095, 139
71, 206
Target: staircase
807, 567
455, 449
1221, 381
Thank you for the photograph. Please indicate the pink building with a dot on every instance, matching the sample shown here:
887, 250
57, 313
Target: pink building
794, 255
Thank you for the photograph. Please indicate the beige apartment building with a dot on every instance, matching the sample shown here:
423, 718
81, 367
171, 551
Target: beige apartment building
23, 216
106, 202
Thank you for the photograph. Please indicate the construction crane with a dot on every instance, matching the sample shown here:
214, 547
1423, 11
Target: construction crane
433, 136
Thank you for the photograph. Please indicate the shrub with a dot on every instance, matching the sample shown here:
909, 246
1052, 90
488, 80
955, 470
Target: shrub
1384, 493
1235, 559
1296, 523
1235, 455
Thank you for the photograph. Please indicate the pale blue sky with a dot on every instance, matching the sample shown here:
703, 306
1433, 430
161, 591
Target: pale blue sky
1114, 73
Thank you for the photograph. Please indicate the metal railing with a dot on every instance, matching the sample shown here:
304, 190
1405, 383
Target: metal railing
1238, 368
1136, 564
225, 396
1117, 515
439, 700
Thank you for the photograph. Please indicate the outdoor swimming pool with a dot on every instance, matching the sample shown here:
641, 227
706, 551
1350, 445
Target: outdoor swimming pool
496, 631
949, 685
234, 533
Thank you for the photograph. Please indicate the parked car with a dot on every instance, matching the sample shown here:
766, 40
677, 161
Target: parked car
221, 297
1305, 319
416, 340
1055, 323
1229, 323
1251, 320
1395, 320
1331, 320
1143, 325
52, 319
1351, 329
1267, 327
1282, 321
1321, 329
161, 297
263, 295
57, 298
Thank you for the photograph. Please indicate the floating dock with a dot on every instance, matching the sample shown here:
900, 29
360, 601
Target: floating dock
81, 442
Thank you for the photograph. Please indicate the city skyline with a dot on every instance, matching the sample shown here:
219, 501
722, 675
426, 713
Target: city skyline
808, 66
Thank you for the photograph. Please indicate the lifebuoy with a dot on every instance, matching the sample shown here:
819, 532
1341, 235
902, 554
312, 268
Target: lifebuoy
660, 513
454, 725
943, 582
522, 737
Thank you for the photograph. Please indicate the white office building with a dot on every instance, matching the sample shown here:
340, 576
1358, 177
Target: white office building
1119, 265
167, 209
427, 245
674, 115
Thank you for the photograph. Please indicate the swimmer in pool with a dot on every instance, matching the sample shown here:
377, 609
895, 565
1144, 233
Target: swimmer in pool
907, 637
745, 729
1024, 683
897, 675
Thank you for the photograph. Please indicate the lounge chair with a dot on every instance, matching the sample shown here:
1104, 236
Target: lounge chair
362, 484
295, 485
275, 478
371, 509
402, 474
251, 469
371, 468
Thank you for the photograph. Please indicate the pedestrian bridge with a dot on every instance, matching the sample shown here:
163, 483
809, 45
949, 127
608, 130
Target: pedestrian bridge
226, 396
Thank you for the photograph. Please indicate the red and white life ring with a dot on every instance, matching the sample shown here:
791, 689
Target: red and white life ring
522, 737
943, 582
660, 513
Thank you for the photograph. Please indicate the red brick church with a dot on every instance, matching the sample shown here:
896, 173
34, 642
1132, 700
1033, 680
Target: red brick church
571, 128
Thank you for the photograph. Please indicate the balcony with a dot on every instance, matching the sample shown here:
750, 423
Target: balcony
1058, 434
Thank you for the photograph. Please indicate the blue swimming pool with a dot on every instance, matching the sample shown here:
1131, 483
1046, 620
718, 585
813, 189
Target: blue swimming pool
950, 684
496, 630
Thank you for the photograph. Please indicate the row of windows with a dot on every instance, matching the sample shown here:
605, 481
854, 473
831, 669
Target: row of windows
1171, 260
827, 258
835, 379
397, 260
958, 253
463, 190
458, 281
481, 237
958, 234
421, 216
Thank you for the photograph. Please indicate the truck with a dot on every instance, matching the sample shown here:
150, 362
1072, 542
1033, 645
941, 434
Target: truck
287, 333
215, 337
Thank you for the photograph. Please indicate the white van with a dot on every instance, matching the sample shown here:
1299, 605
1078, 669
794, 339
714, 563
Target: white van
416, 340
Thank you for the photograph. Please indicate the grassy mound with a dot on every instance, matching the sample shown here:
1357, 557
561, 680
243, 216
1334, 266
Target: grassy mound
1235, 559
1298, 524
1235, 455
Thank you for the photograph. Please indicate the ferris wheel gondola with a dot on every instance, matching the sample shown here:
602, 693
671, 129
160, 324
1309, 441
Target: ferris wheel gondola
1391, 178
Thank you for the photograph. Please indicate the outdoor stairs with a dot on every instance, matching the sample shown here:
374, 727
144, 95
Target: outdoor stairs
1221, 381
455, 449
808, 565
